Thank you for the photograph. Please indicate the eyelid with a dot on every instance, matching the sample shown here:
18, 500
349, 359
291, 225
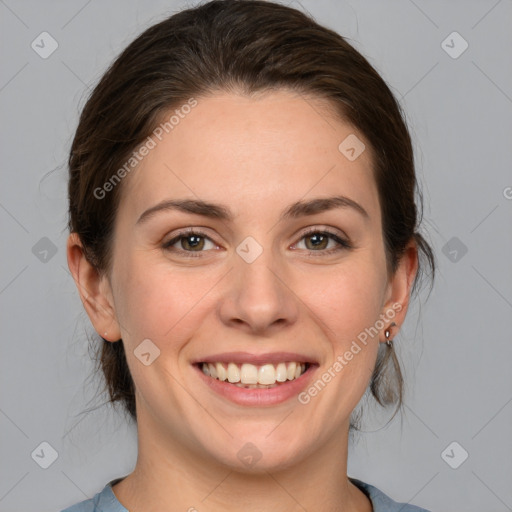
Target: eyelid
324, 229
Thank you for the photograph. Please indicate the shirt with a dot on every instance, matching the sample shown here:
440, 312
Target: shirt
106, 501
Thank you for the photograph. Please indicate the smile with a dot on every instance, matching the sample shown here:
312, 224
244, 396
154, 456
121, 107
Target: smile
259, 385
250, 376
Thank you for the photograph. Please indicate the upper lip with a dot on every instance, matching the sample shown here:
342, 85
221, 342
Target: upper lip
255, 359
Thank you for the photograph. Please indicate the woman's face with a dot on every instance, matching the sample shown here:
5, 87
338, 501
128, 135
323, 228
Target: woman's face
261, 285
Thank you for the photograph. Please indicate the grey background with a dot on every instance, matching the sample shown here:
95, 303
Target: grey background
455, 348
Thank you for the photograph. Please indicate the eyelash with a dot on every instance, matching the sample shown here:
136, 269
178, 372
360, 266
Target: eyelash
343, 244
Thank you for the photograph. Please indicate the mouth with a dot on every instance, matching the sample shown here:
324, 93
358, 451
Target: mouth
261, 384
249, 376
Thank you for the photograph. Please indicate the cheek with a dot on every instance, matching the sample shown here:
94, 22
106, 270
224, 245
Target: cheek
160, 303
347, 299
161, 306
347, 306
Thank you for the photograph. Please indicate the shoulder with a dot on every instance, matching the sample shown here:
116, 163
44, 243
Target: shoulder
104, 501
382, 502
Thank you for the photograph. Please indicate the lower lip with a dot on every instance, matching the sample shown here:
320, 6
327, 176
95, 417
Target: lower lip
259, 396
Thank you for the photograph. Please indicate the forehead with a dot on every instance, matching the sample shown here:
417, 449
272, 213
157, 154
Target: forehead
251, 152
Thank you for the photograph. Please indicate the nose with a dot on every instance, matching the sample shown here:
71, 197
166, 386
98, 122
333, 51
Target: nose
259, 296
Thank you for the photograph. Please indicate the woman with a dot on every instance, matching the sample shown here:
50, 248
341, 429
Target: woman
243, 235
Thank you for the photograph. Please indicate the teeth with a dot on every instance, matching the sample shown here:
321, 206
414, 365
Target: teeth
281, 373
251, 376
267, 374
291, 371
221, 372
233, 373
213, 371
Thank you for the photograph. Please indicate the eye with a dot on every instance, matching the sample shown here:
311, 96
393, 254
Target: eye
190, 240
195, 241
319, 241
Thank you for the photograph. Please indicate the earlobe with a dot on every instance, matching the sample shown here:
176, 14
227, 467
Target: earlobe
94, 290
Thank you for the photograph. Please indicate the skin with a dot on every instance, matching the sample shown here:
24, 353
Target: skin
255, 156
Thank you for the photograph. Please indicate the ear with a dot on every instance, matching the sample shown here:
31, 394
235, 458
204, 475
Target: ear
399, 290
95, 291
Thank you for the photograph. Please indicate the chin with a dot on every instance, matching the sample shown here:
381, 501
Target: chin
260, 454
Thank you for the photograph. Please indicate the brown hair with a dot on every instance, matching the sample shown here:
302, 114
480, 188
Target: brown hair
242, 46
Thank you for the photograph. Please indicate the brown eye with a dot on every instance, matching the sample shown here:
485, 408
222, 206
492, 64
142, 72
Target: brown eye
189, 242
318, 241
193, 242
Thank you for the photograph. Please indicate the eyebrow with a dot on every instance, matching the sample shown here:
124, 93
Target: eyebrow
218, 211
